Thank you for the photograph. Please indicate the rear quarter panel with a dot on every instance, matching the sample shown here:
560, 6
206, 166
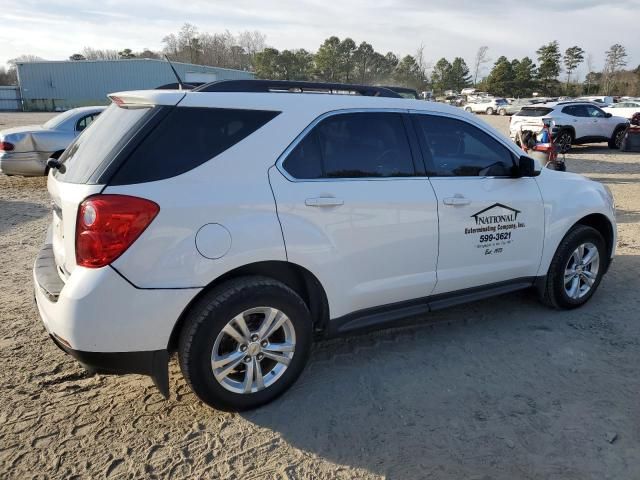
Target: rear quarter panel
231, 190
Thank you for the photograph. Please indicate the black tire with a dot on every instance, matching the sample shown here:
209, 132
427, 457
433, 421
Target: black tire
554, 294
468, 109
563, 141
502, 112
615, 142
210, 315
489, 111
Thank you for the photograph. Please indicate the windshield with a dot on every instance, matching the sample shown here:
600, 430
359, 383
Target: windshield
94, 147
58, 120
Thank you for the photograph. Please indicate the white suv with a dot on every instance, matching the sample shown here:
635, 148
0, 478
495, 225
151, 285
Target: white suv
237, 222
489, 106
572, 123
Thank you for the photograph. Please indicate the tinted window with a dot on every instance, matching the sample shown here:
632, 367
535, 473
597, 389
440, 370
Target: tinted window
576, 111
305, 161
594, 112
457, 148
93, 148
186, 138
534, 112
353, 145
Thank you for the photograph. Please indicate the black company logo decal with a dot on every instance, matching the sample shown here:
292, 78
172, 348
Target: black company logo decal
493, 228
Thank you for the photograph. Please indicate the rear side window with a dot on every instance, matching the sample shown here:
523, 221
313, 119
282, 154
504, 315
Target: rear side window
186, 138
94, 148
534, 112
353, 145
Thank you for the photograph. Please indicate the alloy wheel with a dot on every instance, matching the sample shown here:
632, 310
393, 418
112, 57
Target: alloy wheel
619, 137
253, 350
581, 270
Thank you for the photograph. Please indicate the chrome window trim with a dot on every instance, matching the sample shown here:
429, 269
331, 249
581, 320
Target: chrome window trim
283, 156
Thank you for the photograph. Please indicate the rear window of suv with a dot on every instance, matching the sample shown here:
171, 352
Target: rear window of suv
94, 147
135, 145
534, 112
186, 138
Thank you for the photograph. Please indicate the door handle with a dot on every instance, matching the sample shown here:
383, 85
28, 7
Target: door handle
456, 201
323, 202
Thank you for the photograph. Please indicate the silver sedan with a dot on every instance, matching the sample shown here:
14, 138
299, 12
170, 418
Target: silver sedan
25, 150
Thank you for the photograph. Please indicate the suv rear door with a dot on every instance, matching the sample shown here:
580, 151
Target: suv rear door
491, 225
357, 210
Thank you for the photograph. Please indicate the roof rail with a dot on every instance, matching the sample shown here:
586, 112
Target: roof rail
266, 86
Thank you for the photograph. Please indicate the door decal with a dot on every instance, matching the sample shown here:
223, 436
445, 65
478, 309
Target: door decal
492, 228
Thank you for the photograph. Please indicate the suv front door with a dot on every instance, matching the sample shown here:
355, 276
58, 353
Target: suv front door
491, 225
357, 210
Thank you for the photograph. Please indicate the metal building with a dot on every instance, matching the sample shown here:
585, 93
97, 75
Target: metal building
9, 98
60, 85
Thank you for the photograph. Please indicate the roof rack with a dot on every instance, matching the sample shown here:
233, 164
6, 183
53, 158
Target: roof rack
287, 86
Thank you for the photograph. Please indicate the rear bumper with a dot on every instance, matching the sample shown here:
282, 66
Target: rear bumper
153, 364
105, 322
27, 164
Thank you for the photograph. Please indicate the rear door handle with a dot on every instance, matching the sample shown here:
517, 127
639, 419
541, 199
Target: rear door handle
323, 202
456, 201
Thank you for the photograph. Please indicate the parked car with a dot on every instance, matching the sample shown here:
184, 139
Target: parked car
625, 109
234, 229
514, 107
488, 106
602, 101
25, 150
405, 92
573, 123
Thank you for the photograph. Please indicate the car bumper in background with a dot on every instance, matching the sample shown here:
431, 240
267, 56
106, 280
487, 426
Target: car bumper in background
106, 323
27, 164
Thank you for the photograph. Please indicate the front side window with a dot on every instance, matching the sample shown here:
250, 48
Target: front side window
353, 145
595, 112
455, 148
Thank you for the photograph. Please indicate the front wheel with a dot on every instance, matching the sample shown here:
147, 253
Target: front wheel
468, 109
576, 269
502, 112
245, 343
489, 111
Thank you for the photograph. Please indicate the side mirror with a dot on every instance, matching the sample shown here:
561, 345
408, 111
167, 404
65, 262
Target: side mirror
608, 115
527, 167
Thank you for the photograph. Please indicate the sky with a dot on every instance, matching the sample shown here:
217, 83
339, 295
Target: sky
55, 29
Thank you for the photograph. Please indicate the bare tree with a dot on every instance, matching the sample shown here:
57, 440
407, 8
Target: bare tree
589, 71
615, 59
422, 64
97, 54
481, 59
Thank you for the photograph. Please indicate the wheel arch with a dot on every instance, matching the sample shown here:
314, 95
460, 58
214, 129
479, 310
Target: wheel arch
603, 225
298, 278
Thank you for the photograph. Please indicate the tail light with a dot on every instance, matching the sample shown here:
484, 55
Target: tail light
108, 224
6, 146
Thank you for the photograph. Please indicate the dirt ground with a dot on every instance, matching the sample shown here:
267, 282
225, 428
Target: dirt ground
500, 389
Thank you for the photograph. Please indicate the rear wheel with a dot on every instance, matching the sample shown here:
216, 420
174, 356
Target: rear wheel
502, 112
468, 109
489, 111
563, 141
576, 269
245, 343
615, 142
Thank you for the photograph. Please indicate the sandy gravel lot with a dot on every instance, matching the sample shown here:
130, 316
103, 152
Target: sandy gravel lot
501, 389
